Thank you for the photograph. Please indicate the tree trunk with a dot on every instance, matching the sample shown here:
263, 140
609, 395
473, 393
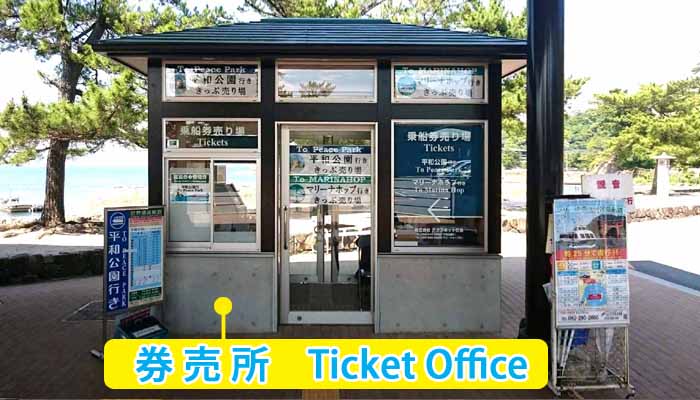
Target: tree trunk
54, 212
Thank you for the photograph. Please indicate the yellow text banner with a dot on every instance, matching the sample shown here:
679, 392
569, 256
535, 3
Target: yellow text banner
325, 364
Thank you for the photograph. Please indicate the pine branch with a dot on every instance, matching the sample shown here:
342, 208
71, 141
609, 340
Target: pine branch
85, 32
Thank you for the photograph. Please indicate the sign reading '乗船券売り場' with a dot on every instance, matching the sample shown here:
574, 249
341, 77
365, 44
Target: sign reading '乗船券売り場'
439, 169
133, 257
189, 134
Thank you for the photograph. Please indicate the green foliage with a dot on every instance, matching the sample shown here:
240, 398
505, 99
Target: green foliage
100, 101
113, 113
491, 17
626, 130
311, 8
685, 177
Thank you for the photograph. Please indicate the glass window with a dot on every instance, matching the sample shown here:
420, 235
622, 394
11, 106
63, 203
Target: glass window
235, 201
439, 83
190, 206
325, 82
213, 204
439, 185
223, 81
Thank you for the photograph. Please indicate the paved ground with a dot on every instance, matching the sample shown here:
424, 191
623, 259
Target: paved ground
31, 243
672, 242
43, 356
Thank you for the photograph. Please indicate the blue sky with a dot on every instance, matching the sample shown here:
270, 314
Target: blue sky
616, 43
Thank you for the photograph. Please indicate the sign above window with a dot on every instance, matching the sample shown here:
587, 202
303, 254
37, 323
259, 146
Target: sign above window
437, 83
235, 81
186, 134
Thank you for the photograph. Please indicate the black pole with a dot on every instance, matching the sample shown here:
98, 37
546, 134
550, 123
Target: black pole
545, 148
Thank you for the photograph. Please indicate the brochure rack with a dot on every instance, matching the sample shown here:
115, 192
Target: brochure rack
589, 295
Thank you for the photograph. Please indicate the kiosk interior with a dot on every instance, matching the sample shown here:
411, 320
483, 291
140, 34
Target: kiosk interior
323, 171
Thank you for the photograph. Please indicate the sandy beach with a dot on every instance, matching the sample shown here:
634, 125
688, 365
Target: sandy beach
83, 231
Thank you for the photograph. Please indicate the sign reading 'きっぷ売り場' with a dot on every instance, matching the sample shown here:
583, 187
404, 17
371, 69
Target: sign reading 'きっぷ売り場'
439, 83
213, 81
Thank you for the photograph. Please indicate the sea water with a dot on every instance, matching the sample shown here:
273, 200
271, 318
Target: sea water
83, 184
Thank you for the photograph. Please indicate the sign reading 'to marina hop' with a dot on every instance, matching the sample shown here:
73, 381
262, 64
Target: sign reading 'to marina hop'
330, 174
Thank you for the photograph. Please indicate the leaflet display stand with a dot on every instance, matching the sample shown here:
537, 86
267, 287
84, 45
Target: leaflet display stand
589, 295
589, 359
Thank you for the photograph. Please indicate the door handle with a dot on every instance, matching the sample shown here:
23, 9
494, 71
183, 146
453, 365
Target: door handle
285, 227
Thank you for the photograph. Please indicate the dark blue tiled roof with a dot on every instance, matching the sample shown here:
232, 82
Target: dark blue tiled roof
313, 32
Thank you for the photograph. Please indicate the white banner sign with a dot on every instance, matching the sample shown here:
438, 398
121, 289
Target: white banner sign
610, 187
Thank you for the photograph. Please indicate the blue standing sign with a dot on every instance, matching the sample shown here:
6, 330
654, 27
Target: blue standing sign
133, 257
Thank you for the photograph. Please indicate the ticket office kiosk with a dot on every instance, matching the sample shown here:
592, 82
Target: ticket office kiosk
347, 185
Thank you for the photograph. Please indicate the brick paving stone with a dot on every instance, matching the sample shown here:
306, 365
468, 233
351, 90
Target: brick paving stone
44, 356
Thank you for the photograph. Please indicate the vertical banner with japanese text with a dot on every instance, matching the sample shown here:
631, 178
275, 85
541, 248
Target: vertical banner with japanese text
590, 263
133, 257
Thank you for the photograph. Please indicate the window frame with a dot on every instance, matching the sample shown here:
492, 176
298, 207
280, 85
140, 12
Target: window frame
212, 246
209, 99
442, 249
396, 100
326, 61
167, 151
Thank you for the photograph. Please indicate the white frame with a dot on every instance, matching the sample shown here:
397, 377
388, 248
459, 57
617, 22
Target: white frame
209, 150
209, 99
427, 63
282, 157
326, 61
211, 246
446, 249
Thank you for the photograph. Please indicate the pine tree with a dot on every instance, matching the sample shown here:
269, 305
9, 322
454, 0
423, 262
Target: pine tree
99, 101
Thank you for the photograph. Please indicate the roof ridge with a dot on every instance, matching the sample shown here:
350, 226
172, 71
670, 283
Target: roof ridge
339, 21
340, 31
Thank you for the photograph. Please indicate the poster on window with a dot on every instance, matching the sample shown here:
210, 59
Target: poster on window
439, 82
210, 134
225, 81
590, 263
133, 257
439, 170
189, 186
